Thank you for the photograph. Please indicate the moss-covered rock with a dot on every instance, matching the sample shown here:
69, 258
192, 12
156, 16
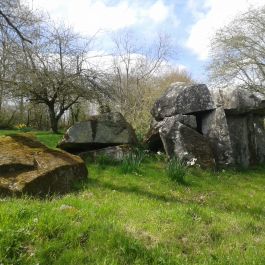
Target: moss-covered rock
27, 166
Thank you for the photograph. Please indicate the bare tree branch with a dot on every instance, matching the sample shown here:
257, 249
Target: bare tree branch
8, 21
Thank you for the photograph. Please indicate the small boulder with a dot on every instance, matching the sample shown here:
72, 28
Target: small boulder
27, 166
100, 131
183, 99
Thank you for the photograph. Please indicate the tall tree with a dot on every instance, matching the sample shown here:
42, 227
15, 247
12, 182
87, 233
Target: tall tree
15, 22
14, 17
238, 52
134, 66
55, 72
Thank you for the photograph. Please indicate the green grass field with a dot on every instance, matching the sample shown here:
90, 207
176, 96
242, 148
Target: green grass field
46, 138
141, 218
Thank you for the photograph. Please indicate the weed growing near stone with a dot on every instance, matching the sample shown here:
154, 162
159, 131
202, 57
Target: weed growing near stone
103, 161
131, 163
176, 170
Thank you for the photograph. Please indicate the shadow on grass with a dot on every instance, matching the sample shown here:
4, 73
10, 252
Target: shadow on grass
256, 212
132, 189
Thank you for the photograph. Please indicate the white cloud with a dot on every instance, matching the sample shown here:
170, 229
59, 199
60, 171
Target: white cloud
158, 11
194, 7
90, 16
98, 60
219, 13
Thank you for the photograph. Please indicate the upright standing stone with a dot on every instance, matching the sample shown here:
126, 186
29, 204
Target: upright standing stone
215, 128
238, 131
186, 143
259, 131
153, 139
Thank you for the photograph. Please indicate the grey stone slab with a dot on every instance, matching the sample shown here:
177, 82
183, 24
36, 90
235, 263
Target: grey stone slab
183, 99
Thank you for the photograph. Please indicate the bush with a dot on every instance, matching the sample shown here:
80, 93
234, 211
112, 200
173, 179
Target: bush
176, 170
131, 163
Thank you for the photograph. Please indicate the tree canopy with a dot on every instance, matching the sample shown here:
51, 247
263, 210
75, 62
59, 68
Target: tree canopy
238, 52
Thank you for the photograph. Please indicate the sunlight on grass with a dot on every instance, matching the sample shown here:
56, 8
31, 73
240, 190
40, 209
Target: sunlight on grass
48, 138
143, 218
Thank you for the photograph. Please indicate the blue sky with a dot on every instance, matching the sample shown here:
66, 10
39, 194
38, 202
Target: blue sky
189, 23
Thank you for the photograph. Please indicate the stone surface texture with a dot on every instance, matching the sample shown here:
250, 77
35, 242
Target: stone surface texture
215, 128
98, 132
247, 134
259, 132
229, 127
186, 143
236, 101
153, 139
116, 153
27, 166
238, 131
183, 99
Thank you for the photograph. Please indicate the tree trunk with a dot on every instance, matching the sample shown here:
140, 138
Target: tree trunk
39, 122
1, 97
53, 119
28, 118
21, 110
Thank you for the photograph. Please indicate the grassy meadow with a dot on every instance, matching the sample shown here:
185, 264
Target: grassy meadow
141, 217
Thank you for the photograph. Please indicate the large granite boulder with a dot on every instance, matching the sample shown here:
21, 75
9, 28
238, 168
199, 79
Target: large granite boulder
27, 166
98, 132
236, 101
185, 143
215, 128
183, 99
